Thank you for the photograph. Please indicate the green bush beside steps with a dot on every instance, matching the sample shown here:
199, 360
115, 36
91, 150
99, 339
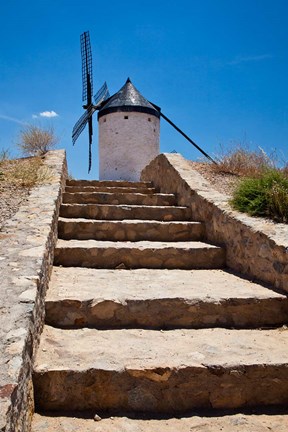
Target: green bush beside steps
265, 196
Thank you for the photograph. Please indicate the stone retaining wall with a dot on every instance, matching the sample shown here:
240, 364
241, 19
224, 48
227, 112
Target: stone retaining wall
27, 243
255, 247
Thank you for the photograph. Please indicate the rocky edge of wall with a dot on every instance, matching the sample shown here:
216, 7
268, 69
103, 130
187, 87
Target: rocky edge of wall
255, 247
27, 243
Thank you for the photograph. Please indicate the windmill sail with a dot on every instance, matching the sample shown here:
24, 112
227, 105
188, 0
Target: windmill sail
81, 124
87, 91
87, 79
102, 94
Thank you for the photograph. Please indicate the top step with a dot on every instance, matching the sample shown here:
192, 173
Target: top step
110, 189
112, 186
109, 183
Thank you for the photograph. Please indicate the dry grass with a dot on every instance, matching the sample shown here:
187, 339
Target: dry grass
17, 177
262, 188
242, 162
35, 141
285, 170
253, 180
24, 173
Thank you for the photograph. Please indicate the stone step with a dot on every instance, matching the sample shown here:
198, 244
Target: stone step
119, 198
110, 189
120, 212
109, 183
197, 422
107, 254
162, 372
142, 298
132, 230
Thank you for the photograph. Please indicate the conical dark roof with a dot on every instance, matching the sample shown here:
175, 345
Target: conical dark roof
128, 98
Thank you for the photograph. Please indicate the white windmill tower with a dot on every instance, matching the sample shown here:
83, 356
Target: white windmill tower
129, 131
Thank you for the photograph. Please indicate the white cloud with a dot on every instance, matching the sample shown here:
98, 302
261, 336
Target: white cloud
48, 114
34, 116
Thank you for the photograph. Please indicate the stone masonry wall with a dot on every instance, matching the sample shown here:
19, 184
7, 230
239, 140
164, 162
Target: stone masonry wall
255, 247
26, 254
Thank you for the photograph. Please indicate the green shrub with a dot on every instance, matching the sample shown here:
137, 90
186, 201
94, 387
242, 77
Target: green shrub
265, 196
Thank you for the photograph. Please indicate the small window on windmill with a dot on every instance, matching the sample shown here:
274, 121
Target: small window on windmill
126, 117
149, 119
104, 120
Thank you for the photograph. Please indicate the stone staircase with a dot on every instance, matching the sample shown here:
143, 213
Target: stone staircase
144, 321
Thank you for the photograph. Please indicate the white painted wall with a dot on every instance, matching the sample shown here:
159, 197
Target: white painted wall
126, 146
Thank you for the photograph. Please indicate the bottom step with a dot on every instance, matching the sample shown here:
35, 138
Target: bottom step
160, 371
225, 423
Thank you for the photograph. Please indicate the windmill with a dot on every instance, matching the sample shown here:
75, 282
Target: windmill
87, 92
103, 102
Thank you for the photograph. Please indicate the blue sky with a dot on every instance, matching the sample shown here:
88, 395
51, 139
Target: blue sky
217, 68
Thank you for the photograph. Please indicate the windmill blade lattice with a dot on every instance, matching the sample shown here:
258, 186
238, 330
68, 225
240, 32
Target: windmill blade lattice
87, 91
81, 124
102, 94
87, 79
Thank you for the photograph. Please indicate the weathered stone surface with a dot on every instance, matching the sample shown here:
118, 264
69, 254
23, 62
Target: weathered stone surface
109, 183
145, 370
110, 189
107, 254
255, 246
131, 230
195, 422
79, 297
26, 250
119, 198
160, 372
118, 212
